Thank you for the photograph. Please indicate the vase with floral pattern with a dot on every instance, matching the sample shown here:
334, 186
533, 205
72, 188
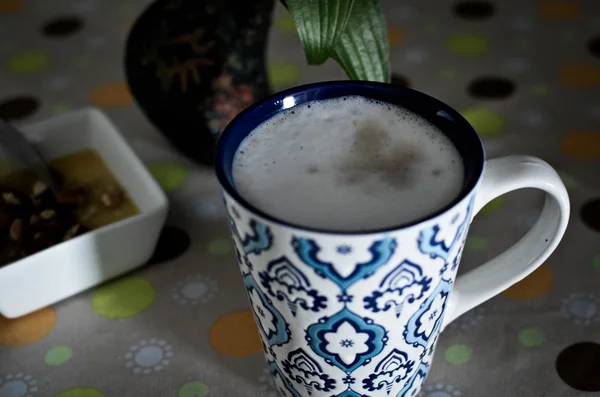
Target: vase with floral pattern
193, 65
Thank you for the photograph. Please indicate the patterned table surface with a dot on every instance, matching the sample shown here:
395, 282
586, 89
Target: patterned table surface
525, 73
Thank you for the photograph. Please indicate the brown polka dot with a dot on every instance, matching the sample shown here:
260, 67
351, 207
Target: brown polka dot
533, 286
580, 75
395, 36
63, 26
590, 214
594, 46
236, 335
474, 10
579, 365
17, 108
28, 329
172, 243
582, 145
491, 88
111, 95
10, 6
400, 80
560, 10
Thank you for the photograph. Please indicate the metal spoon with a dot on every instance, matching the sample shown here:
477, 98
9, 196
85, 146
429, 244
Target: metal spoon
18, 147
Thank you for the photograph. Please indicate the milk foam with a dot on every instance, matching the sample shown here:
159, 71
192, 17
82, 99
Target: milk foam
348, 164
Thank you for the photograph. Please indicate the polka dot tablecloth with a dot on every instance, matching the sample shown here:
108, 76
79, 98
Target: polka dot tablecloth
526, 74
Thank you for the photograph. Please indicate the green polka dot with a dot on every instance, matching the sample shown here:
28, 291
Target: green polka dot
467, 44
123, 298
486, 122
596, 262
448, 74
540, 89
170, 176
220, 246
285, 23
82, 61
431, 27
80, 392
61, 108
28, 62
6, 47
282, 73
125, 10
569, 180
492, 206
458, 354
58, 355
524, 44
475, 243
530, 337
193, 389
568, 36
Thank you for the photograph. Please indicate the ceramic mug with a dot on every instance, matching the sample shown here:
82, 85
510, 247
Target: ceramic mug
354, 314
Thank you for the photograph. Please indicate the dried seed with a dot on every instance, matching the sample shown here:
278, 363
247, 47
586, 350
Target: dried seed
16, 230
71, 232
88, 213
10, 198
38, 188
105, 197
47, 214
77, 195
112, 197
34, 219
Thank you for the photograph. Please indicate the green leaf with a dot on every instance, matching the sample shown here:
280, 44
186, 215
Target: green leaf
320, 24
362, 50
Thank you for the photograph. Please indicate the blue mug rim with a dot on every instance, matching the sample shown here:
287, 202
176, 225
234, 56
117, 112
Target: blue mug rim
246, 121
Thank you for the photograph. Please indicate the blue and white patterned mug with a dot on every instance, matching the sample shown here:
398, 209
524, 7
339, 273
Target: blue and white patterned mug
359, 314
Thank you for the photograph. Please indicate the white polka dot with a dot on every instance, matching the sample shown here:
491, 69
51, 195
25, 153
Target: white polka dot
583, 309
96, 42
267, 385
148, 356
469, 319
416, 55
439, 390
521, 24
85, 5
58, 83
404, 12
19, 385
517, 65
195, 289
207, 209
535, 118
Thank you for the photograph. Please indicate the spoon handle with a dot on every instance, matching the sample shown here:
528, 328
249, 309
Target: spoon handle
18, 147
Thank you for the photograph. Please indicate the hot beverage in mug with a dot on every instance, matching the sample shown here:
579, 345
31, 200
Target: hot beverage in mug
349, 204
349, 164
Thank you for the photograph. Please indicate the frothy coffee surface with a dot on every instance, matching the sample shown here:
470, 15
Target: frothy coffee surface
348, 164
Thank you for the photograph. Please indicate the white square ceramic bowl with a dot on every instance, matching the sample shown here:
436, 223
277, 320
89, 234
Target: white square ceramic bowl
88, 260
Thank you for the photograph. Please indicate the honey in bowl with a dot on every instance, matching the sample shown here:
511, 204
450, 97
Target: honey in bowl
33, 217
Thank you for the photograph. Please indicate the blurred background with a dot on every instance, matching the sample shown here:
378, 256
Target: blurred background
525, 73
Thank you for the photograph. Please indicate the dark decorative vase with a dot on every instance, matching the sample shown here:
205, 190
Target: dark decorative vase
193, 65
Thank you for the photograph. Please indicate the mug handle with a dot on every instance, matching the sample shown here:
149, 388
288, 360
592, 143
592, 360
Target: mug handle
501, 176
